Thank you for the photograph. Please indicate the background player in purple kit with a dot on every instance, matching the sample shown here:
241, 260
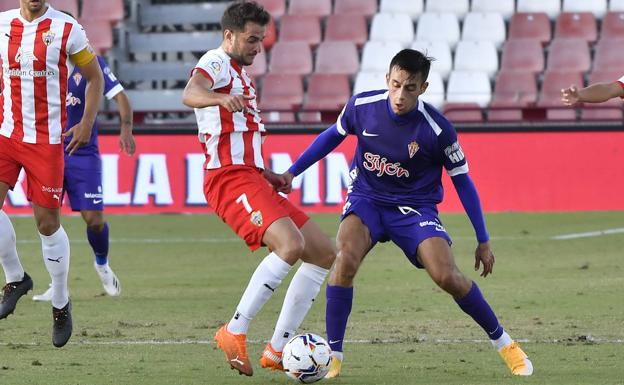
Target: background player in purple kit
83, 172
403, 143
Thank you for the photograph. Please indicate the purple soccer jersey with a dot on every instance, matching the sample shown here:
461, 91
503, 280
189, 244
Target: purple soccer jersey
399, 158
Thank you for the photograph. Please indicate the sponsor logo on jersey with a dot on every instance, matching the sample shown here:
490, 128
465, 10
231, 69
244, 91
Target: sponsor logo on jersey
71, 100
256, 218
47, 37
412, 147
51, 189
436, 224
454, 153
92, 195
381, 166
25, 57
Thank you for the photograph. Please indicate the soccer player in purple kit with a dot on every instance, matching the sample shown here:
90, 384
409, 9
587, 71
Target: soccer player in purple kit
403, 143
83, 172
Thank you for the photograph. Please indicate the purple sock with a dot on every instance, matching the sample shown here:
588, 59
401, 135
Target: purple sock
477, 307
99, 244
339, 302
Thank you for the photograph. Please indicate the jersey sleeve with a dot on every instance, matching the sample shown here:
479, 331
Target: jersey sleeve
346, 119
111, 85
212, 67
77, 40
451, 152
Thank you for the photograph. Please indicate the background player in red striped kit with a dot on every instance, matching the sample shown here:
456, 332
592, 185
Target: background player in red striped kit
237, 187
39, 47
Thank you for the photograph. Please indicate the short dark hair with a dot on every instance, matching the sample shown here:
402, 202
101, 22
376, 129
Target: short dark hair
240, 12
412, 61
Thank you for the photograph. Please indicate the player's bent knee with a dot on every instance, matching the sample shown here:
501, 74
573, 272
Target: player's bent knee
48, 226
452, 282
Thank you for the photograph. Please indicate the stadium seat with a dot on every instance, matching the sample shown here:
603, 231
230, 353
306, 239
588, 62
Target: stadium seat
412, 8
463, 112
530, 26
136, 72
522, 55
392, 27
609, 110
609, 55
271, 35
515, 90
480, 26
320, 8
70, 6
259, 66
366, 81
616, 5
346, 27
434, 94
469, 87
156, 100
550, 95
376, 55
476, 56
550, 7
612, 26
568, 55
278, 117
365, 8
438, 27
337, 57
327, 92
597, 7
457, 7
281, 92
576, 26
304, 28
505, 7
100, 34
291, 58
440, 51
275, 7
111, 10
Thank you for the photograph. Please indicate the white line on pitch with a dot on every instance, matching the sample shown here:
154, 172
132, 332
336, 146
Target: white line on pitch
588, 234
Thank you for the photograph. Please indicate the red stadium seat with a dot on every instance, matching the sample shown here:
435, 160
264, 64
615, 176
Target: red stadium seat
360, 7
281, 92
346, 27
513, 89
70, 6
530, 26
576, 26
609, 55
523, 55
550, 96
610, 110
111, 10
100, 34
291, 58
271, 35
259, 66
569, 55
275, 7
327, 92
319, 8
337, 57
304, 28
463, 112
612, 26
278, 117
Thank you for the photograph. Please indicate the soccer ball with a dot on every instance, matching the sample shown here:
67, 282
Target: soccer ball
306, 358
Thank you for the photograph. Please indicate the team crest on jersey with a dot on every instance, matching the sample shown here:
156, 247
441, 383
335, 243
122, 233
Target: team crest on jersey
48, 37
77, 78
256, 218
413, 148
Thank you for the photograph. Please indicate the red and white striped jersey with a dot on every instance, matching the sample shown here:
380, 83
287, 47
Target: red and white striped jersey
229, 138
35, 67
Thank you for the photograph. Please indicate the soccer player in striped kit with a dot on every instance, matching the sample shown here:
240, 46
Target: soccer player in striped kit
238, 187
39, 47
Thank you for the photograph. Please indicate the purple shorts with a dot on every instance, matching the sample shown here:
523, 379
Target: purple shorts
83, 182
406, 226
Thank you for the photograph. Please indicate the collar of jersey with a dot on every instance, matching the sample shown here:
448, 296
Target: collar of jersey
405, 118
23, 20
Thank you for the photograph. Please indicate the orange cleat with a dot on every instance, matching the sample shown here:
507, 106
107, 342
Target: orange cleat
235, 348
271, 359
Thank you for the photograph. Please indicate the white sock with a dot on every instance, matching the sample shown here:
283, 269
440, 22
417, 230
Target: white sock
56, 258
13, 270
267, 277
502, 341
338, 355
301, 293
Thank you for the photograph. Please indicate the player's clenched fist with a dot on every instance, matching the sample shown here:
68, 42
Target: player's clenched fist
234, 103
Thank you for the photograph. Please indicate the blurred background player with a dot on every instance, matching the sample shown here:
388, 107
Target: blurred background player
403, 143
83, 171
38, 48
594, 93
237, 187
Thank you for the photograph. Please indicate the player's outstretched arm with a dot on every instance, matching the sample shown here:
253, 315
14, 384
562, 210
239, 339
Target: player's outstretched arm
81, 132
198, 94
595, 93
126, 140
